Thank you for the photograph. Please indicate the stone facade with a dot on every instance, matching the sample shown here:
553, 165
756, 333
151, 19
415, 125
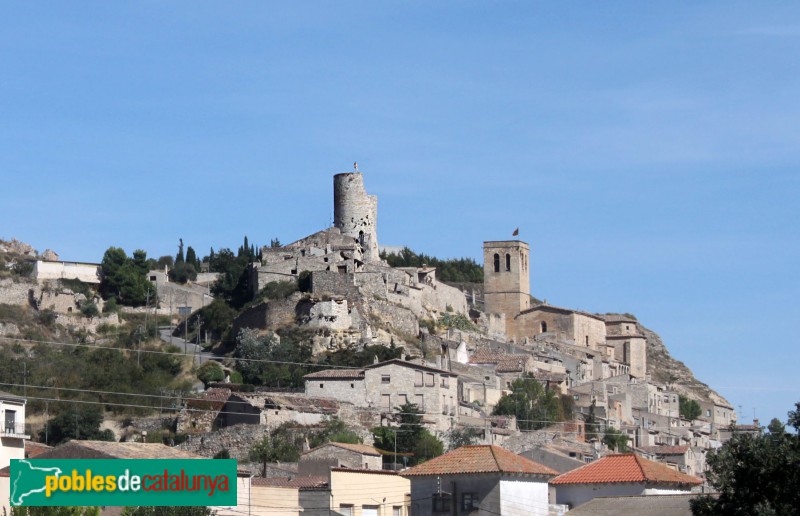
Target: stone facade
340, 455
506, 280
15, 293
355, 212
388, 385
569, 326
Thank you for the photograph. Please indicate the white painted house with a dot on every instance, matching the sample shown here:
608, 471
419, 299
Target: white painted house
12, 438
624, 474
480, 479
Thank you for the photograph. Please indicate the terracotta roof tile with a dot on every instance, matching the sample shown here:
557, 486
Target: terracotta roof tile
625, 468
664, 450
292, 482
479, 459
363, 449
337, 373
32, 449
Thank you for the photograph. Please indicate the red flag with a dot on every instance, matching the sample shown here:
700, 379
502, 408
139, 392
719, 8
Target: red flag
515, 233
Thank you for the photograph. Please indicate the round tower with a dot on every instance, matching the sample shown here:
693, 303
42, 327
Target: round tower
355, 212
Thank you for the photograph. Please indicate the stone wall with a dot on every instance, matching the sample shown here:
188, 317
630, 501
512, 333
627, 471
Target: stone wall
236, 439
331, 314
89, 324
171, 296
269, 315
8, 329
13, 293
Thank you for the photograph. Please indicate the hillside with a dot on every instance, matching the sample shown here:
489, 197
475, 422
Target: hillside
663, 368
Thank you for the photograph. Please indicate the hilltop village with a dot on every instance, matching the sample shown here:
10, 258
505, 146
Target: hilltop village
532, 392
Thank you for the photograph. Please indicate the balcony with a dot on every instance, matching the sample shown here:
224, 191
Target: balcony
11, 429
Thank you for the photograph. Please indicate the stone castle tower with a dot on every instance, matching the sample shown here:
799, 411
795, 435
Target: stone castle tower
355, 212
506, 279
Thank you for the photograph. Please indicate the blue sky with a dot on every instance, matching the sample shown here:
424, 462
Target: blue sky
647, 152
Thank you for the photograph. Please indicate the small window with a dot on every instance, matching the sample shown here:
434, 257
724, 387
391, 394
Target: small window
402, 399
469, 502
386, 401
430, 379
352, 386
708, 413
496, 262
152, 278
386, 378
587, 340
445, 382
508, 262
419, 399
441, 502
322, 385
417, 378
544, 327
346, 509
397, 510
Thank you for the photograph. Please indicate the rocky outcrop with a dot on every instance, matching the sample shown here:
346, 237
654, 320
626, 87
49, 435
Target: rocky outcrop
663, 368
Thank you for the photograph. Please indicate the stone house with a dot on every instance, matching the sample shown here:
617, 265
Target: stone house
681, 458
272, 409
569, 326
387, 385
319, 460
624, 474
201, 412
480, 479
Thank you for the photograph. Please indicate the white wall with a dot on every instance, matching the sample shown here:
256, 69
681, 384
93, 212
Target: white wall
523, 497
86, 272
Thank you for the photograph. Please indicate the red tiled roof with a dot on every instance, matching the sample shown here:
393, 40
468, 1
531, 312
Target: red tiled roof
625, 468
512, 363
664, 450
479, 459
32, 449
337, 373
292, 482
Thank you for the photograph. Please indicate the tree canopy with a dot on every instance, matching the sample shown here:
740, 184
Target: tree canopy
124, 278
756, 475
410, 436
534, 406
457, 270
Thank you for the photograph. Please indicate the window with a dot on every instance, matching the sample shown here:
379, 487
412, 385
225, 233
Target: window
508, 262
544, 327
419, 399
496, 262
402, 399
417, 378
397, 510
152, 278
441, 502
445, 382
469, 501
587, 340
386, 401
352, 386
386, 378
346, 509
429, 379
708, 413
322, 385
370, 510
